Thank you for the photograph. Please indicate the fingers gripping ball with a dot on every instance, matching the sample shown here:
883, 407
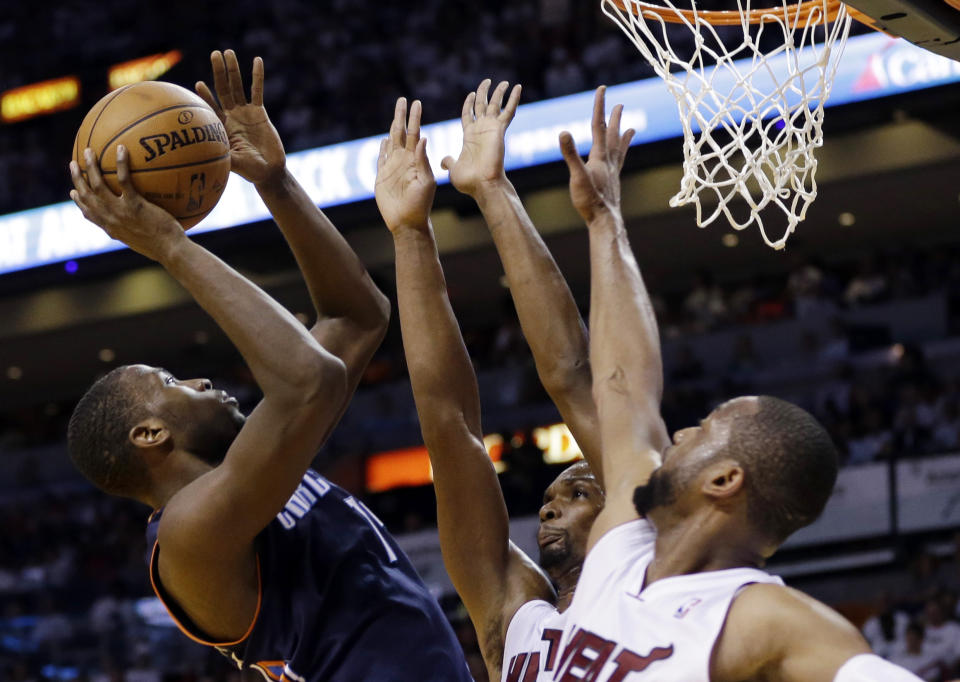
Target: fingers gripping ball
178, 148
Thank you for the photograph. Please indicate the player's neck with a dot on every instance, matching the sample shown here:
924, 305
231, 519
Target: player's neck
566, 583
701, 543
179, 470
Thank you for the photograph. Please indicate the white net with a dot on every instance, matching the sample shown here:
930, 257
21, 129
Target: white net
752, 113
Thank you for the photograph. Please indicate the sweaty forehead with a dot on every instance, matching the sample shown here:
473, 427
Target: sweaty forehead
579, 471
737, 407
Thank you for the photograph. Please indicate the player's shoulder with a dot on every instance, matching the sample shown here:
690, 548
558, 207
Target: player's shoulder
767, 601
194, 521
532, 615
181, 508
777, 615
769, 624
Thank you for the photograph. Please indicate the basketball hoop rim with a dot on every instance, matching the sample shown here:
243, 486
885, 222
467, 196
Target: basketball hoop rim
810, 11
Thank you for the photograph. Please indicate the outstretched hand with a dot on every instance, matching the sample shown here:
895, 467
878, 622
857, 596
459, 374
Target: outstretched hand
144, 227
256, 152
405, 185
484, 124
595, 185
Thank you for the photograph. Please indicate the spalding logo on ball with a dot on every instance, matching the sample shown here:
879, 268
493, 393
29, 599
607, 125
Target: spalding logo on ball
178, 149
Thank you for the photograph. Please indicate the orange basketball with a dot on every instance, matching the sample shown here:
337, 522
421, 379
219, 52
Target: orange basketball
178, 148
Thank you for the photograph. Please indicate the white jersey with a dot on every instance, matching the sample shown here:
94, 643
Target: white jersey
617, 632
531, 647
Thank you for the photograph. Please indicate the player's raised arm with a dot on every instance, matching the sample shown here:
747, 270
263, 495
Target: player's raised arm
218, 514
352, 314
490, 574
625, 342
548, 314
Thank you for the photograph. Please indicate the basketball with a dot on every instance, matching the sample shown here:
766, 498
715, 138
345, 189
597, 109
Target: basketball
178, 149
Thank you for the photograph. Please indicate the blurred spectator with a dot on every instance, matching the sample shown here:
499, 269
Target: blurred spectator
874, 440
835, 348
887, 629
916, 655
51, 631
705, 304
143, 671
806, 286
924, 570
868, 286
744, 365
743, 302
833, 395
564, 75
942, 635
110, 618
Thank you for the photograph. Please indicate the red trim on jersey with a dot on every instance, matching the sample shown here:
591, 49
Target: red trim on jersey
181, 626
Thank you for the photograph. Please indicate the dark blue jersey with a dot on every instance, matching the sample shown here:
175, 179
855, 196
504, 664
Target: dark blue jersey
339, 600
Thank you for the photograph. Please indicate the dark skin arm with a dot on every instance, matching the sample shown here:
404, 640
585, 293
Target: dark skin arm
492, 576
352, 314
625, 345
777, 634
207, 531
548, 314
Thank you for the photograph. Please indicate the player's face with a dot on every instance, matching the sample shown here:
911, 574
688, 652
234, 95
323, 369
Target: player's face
570, 505
674, 483
204, 421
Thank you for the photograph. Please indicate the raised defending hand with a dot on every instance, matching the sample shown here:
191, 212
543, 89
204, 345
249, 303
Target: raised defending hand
484, 123
144, 227
595, 185
256, 152
405, 185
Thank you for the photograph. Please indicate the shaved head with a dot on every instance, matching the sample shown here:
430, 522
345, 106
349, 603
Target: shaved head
97, 435
790, 460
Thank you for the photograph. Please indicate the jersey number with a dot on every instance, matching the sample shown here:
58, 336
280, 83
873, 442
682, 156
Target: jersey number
375, 523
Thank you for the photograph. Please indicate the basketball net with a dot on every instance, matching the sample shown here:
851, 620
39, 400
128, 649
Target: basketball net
749, 129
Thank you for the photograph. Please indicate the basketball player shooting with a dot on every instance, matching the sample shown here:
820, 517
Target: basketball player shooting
672, 586
253, 552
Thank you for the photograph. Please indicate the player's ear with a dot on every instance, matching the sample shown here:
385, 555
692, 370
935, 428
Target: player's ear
150, 435
723, 479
